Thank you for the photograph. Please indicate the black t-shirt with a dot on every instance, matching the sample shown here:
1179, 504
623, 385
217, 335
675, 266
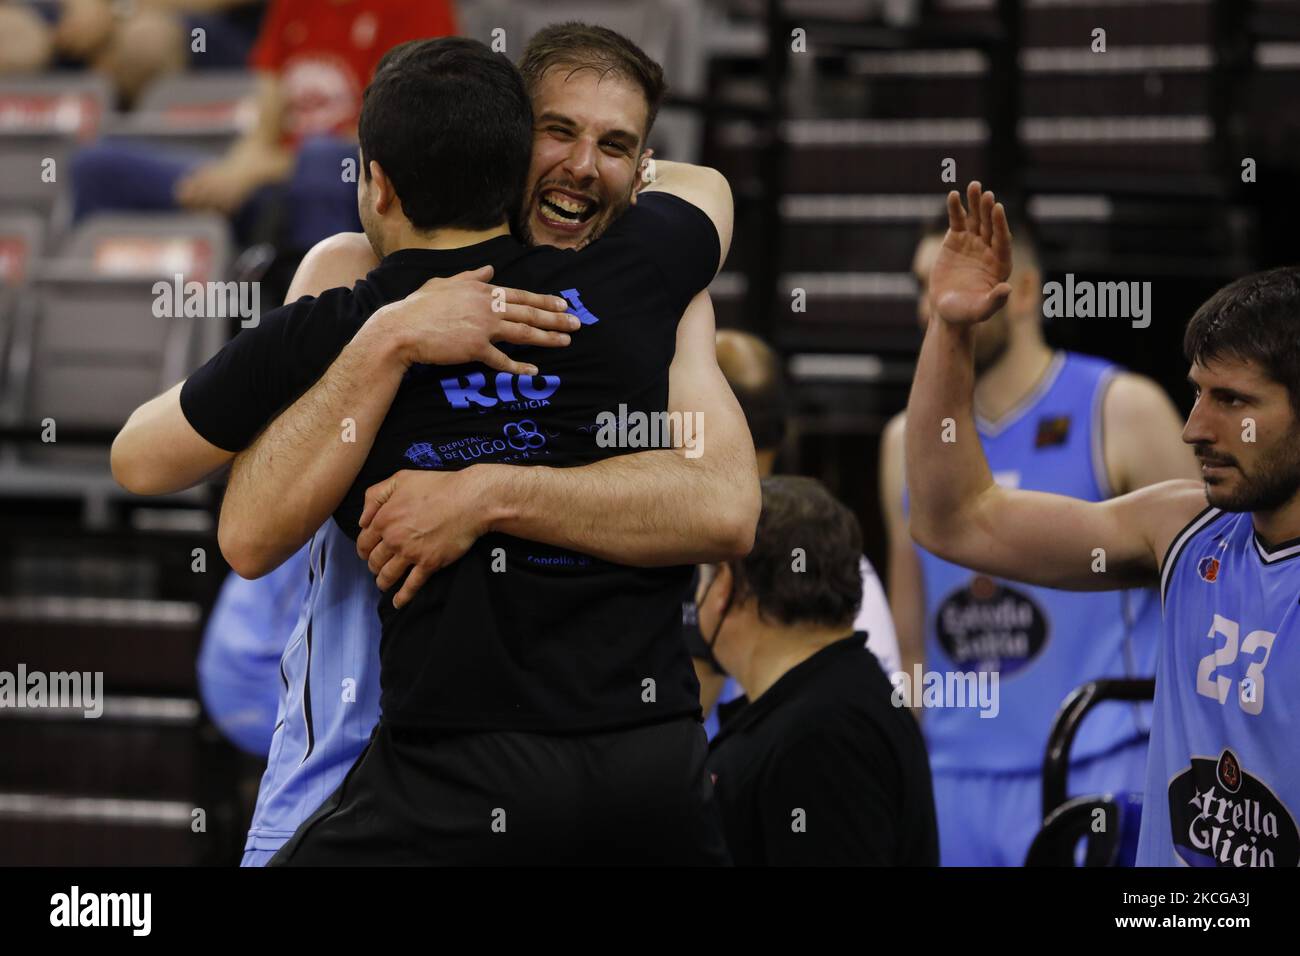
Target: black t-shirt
823, 769
515, 635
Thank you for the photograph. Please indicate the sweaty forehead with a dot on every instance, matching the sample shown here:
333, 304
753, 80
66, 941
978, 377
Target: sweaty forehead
592, 98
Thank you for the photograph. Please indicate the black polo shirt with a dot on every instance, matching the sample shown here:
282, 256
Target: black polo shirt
515, 635
824, 770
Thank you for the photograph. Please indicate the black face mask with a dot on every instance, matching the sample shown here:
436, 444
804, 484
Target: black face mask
709, 642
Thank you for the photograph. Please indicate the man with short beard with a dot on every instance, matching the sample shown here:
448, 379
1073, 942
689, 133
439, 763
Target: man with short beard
648, 508
1222, 783
1050, 420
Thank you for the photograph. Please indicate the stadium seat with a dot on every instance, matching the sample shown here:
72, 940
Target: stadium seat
1108, 822
91, 348
202, 112
42, 119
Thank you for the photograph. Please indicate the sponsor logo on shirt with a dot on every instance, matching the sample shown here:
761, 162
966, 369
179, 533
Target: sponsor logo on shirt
577, 308
1222, 815
509, 391
990, 626
521, 439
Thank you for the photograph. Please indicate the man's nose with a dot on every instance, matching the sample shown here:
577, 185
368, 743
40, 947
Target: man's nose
1198, 430
580, 164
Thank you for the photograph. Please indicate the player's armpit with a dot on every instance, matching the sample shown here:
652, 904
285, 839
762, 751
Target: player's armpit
158, 452
1142, 435
1062, 542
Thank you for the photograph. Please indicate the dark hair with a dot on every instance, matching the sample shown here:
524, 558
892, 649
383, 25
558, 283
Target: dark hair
753, 370
586, 46
801, 513
449, 122
1256, 319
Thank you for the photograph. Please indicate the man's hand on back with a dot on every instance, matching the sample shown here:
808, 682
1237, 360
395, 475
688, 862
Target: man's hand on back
456, 320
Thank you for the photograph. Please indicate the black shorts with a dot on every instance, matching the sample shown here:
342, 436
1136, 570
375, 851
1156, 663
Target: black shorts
640, 796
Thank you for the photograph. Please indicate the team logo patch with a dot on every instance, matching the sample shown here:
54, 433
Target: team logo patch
1221, 815
1208, 568
423, 455
990, 626
1052, 431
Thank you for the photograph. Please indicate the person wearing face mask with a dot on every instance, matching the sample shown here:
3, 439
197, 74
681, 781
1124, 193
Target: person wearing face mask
821, 768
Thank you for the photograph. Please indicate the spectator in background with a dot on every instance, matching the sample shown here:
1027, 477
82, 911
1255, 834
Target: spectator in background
753, 370
820, 768
314, 59
26, 44
132, 43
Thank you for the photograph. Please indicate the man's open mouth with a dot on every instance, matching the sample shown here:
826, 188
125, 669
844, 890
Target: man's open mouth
566, 208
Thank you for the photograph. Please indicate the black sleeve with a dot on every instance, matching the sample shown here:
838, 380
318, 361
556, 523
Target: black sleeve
678, 237
830, 801
232, 396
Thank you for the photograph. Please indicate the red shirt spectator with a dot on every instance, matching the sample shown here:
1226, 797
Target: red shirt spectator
326, 50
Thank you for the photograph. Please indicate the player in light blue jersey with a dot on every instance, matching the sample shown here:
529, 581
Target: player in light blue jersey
328, 685
243, 641
1222, 782
1048, 421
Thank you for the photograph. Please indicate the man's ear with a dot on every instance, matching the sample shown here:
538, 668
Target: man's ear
645, 172
722, 585
1026, 289
384, 195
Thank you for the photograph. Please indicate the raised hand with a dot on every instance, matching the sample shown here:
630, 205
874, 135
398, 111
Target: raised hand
969, 281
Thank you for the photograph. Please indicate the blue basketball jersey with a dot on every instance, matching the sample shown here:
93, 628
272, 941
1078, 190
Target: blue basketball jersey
330, 691
1040, 642
1223, 778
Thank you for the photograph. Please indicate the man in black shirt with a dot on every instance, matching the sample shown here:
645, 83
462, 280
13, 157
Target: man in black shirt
562, 642
820, 768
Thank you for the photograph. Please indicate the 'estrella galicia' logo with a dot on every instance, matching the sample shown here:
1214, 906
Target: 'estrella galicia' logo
1220, 815
990, 626
505, 388
577, 308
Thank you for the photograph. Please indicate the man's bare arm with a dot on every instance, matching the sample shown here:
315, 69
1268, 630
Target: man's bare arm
956, 509
649, 508
289, 480
157, 451
906, 586
660, 507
